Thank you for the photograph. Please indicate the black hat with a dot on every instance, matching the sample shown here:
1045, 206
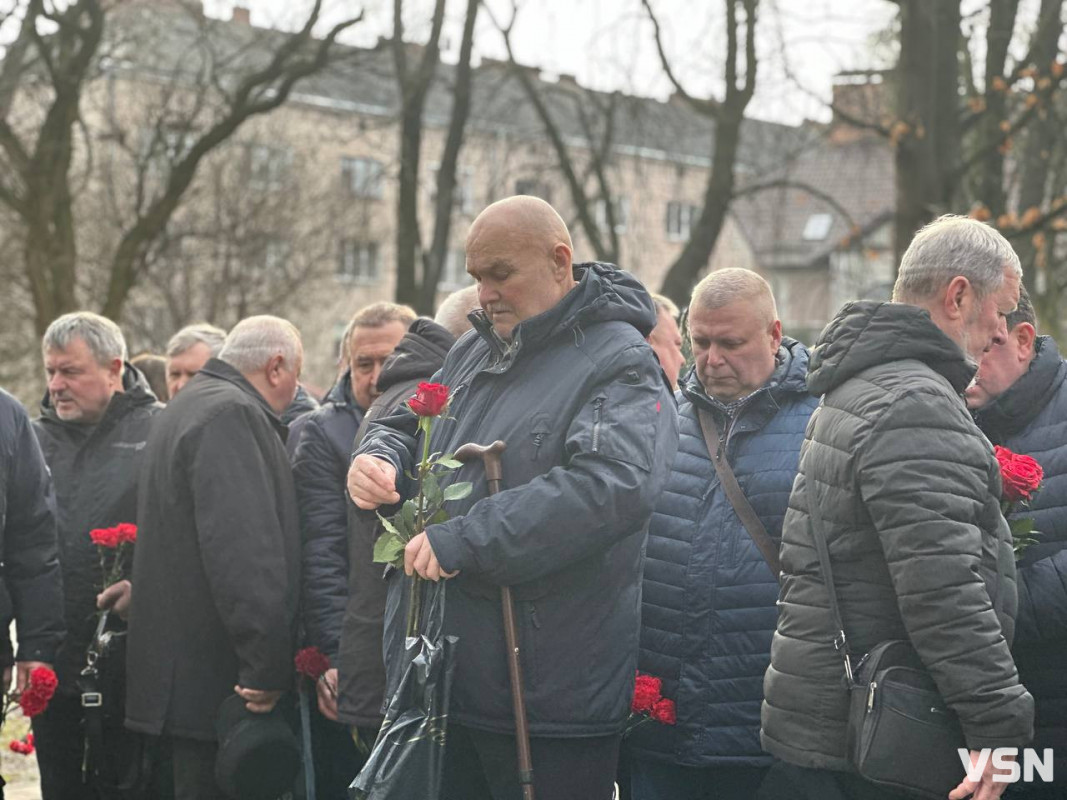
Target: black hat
259, 755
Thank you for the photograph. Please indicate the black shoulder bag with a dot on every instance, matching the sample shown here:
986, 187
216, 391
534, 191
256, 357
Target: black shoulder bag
117, 760
901, 734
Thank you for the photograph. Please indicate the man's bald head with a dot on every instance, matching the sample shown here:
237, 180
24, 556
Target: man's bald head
525, 217
519, 251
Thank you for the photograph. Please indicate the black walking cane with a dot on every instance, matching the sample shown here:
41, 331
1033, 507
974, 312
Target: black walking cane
490, 456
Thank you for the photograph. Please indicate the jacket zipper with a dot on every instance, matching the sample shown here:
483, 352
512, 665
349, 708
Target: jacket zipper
598, 404
533, 616
538, 439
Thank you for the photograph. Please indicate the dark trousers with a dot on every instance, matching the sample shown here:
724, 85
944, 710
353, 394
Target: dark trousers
59, 737
336, 759
788, 782
484, 766
653, 780
184, 769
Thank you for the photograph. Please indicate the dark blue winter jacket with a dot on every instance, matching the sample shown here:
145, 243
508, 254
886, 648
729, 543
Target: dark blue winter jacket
320, 467
1031, 418
590, 428
708, 610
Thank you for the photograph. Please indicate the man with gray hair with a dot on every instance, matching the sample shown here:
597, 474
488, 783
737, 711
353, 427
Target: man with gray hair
218, 554
907, 495
95, 419
188, 350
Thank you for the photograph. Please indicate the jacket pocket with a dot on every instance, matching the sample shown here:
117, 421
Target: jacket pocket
623, 423
537, 444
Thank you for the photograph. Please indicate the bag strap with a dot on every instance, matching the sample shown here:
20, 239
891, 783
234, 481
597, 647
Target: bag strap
736, 495
818, 533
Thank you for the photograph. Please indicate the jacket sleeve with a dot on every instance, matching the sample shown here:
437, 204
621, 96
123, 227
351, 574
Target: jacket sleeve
242, 545
1043, 600
320, 494
620, 447
924, 477
31, 565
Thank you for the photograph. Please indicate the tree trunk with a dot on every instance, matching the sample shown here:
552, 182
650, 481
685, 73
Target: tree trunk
927, 135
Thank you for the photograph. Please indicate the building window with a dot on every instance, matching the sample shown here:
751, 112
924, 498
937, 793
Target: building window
534, 188
358, 262
817, 227
268, 167
454, 273
362, 177
463, 195
620, 209
681, 217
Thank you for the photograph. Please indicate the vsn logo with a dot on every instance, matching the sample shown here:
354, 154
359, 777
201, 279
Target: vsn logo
1004, 760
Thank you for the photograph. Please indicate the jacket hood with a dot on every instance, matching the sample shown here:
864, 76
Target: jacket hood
135, 393
420, 353
1024, 399
604, 293
868, 333
789, 376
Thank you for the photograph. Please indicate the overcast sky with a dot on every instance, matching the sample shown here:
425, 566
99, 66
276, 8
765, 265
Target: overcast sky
608, 44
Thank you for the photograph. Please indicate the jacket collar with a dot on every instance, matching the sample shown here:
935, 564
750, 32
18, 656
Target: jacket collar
759, 407
220, 370
1024, 400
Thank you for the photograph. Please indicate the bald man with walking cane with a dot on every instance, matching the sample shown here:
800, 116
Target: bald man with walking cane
558, 368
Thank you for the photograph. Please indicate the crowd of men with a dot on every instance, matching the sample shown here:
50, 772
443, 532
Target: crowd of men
650, 520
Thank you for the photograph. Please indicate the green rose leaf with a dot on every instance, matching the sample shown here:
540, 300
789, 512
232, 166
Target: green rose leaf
457, 491
449, 462
388, 525
431, 490
389, 549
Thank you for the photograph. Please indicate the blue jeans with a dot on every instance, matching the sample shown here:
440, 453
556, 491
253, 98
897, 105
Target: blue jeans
654, 780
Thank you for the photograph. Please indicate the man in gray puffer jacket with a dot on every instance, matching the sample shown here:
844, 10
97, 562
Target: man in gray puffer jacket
909, 492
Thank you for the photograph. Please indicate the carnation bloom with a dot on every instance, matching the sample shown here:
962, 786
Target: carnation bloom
663, 711
105, 537
429, 399
35, 697
311, 662
647, 691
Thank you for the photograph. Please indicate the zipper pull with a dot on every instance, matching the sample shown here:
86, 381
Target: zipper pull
870, 697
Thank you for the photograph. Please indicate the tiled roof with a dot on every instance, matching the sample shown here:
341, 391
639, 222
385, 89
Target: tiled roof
858, 175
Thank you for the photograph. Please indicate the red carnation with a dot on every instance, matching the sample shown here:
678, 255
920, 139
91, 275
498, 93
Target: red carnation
429, 399
35, 697
1021, 475
311, 662
663, 711
105, 537
647, 690
126, 532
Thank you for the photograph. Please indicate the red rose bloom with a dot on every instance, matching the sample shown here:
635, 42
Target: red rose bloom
1021, 475
663, 711
126, 532
311, 662
646, 692
105, 537
429, 399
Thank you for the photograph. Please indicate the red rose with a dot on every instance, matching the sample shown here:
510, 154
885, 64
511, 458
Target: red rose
126, 532
429, 399
663, 711
105, 537
311, 662
647, 690
1020, 475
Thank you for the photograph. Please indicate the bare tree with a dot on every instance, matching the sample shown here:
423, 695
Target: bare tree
728, 117
53, 61
444, 201
599, 132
